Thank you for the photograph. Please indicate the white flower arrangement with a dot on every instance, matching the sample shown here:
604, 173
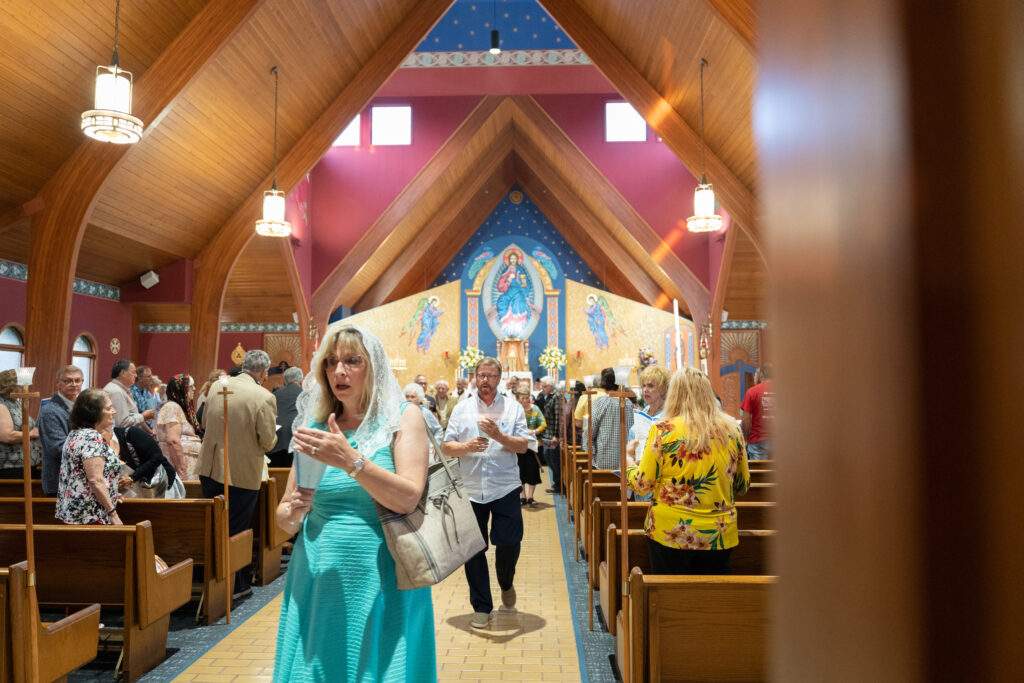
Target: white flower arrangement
646, 357
469, 357
552, 358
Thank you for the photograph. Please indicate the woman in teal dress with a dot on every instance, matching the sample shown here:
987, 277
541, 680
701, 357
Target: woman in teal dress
343, 617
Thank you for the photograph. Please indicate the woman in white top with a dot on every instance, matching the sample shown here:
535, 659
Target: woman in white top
177, 429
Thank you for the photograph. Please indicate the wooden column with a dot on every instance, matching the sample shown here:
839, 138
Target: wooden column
68, 197
890, 140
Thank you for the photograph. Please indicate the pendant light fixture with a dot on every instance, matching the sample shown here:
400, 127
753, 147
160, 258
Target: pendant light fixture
110, 119
495, 36
704, 218
273, 223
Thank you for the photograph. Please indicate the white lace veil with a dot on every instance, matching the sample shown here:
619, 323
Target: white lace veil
382, 414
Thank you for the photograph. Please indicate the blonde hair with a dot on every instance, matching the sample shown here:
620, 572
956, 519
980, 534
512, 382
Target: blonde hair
656, 374
213, 377
691, 398
346, 341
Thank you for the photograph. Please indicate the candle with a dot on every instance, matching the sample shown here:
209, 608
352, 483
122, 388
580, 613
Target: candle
679, 346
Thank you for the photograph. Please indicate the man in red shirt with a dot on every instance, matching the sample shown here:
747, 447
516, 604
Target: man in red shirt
758, 412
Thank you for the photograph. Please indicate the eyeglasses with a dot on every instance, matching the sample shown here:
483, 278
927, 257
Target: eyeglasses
73, 380
350, 363
485, 375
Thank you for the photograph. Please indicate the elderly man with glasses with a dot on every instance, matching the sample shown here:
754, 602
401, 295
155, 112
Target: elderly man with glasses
486, 432
53, 424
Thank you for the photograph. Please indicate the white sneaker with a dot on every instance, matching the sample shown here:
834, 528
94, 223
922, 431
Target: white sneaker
480, 620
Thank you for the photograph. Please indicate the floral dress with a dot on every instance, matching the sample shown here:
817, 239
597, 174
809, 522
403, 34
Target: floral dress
170, 414
694, 502
10, 453
76, 503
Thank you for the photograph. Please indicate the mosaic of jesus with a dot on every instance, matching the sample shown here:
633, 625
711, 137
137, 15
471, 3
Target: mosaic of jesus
515, 291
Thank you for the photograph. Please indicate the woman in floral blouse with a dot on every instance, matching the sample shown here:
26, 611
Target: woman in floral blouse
529, 460
695, 463
177, 428
87, 492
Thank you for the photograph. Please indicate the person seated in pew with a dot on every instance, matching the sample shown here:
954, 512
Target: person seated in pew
607, 435
695, 463
88, 489
10, 431
140, 451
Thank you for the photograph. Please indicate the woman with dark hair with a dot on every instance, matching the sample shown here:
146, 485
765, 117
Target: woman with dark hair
87, 492
142, 453
177, 429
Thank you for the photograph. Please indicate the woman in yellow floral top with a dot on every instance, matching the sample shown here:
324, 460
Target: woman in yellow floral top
695, 463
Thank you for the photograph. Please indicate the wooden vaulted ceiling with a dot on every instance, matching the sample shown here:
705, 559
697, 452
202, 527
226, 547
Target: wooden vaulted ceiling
200, 162
461, 181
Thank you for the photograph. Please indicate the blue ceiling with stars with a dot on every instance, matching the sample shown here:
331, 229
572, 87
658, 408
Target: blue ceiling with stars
527, 220
523, 25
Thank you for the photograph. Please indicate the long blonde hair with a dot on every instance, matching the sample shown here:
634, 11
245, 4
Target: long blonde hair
347, 341
691, 398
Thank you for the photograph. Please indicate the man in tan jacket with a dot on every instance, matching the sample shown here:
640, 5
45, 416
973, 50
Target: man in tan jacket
252, 417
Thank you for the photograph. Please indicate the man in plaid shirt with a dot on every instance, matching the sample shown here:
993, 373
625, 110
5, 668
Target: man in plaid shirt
553, 408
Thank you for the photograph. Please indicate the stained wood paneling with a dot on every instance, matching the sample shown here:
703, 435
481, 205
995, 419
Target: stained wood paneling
259, 288
48, 58
747, 287
215, 146
160, 313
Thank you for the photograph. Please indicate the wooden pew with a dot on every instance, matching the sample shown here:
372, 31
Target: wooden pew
761, 464
603, 514
603, 490
62, 646
749, 557
114, 566
762, 476
189, 529
267, 539
697, 628
14, 488
760, 493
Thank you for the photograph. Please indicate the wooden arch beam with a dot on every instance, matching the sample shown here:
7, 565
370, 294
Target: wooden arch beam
740, 16
354, 274
534, 126
682, 139
68, 197
492, 170
216, 260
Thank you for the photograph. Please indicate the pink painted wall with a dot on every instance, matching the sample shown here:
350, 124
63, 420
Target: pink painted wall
648, 174
351, 186
297, 208
104, 320
168, 354
175, 286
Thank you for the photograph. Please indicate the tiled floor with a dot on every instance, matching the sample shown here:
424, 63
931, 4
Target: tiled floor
536, 643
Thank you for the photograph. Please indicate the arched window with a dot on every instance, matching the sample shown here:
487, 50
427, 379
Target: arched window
83, 357
12, 347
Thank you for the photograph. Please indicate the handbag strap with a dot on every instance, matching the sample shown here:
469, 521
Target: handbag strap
437, 449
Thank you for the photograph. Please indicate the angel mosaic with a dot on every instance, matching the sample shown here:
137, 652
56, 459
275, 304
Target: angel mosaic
601, 320
428, 318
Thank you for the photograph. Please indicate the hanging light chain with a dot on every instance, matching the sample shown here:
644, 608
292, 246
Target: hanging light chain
703, 144
114, 60
274, 71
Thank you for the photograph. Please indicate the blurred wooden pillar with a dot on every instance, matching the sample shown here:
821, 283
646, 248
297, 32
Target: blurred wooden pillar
891, 147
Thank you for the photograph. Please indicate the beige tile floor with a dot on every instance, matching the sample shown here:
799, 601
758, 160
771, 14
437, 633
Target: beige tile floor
536, 643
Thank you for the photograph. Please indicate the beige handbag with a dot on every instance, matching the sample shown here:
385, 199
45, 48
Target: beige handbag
440, 535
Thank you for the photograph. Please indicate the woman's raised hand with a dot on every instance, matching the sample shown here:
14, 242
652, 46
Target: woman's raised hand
331, 447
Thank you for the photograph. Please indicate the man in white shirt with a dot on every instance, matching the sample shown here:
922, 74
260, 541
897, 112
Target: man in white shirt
485, 432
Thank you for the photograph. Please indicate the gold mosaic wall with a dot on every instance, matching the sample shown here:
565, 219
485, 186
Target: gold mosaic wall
404, 327
603, 328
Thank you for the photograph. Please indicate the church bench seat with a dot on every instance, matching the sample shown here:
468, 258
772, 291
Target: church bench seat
189, 529
115, 567
760, 493
62, 646
14, 488
696, 629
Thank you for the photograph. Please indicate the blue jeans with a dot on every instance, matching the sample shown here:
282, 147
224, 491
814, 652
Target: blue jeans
762, 450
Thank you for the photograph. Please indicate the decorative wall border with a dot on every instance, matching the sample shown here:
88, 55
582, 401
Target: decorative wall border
180, 328
19, 271
744, 325
434, 60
